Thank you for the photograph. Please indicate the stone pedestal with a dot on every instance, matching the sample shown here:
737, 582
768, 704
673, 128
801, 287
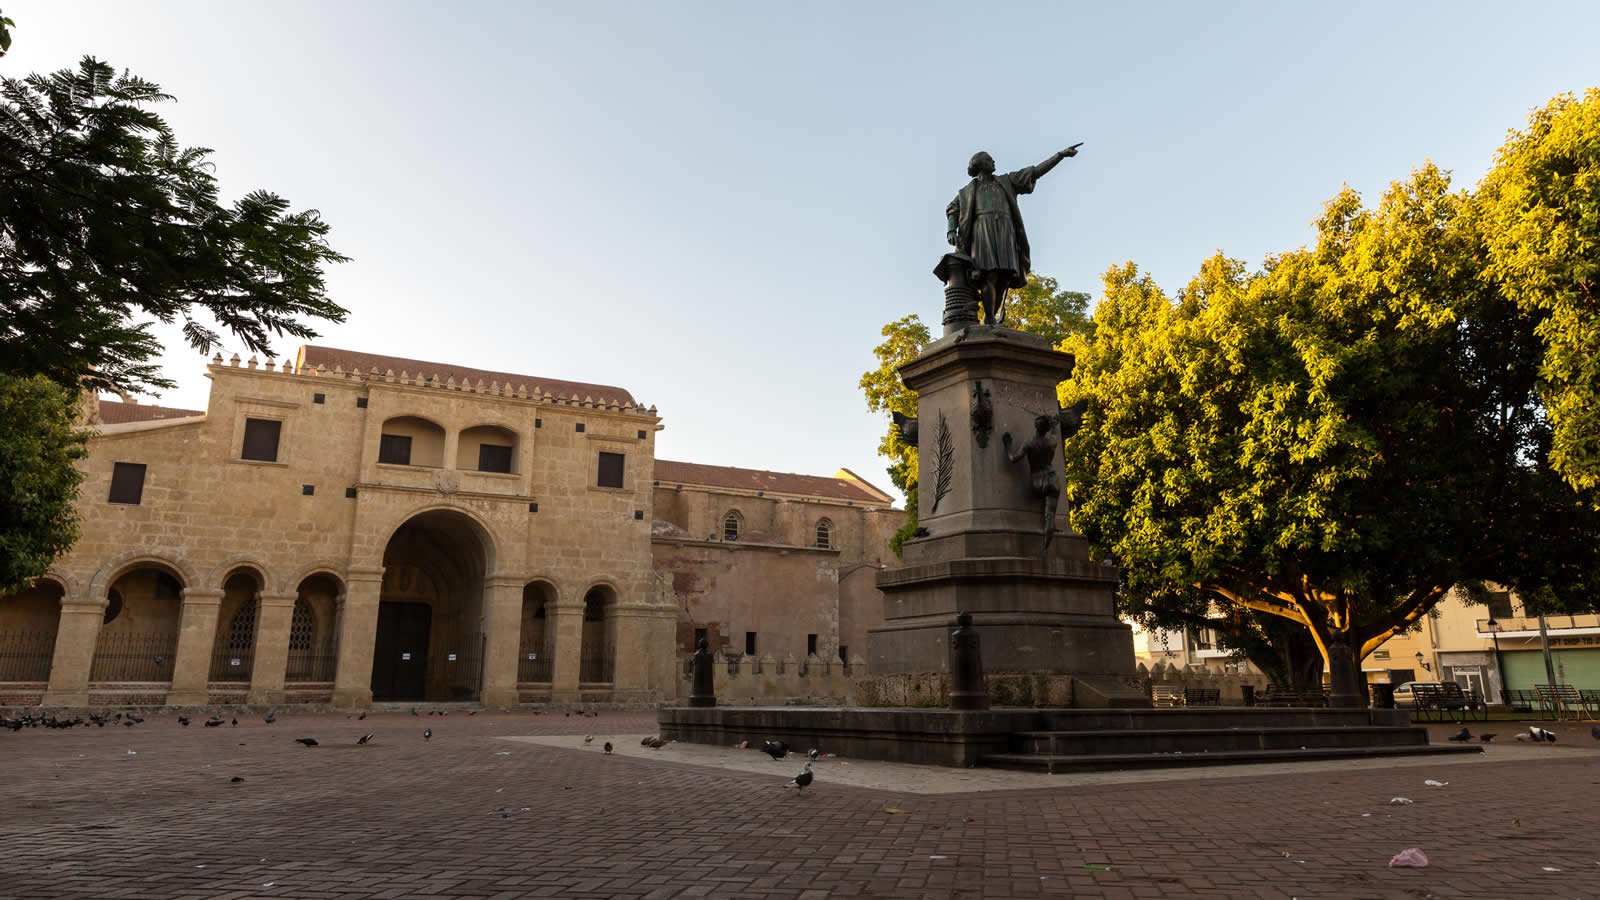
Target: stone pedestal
983, 552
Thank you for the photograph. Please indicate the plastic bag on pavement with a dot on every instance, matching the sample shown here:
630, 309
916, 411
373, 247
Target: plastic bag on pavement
1403, 801
1412, 856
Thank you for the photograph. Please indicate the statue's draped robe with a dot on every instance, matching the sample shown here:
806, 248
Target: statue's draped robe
989, 224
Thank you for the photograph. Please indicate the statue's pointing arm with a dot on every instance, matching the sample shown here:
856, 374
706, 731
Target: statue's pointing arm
1055, 158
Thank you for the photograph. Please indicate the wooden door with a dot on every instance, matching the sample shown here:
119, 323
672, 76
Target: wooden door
400, 656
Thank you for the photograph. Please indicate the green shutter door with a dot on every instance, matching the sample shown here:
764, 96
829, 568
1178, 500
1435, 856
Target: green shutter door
1525, 668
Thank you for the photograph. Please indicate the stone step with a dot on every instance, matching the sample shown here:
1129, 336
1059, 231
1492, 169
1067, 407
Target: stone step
1109, 762
1216, 717
1194, 740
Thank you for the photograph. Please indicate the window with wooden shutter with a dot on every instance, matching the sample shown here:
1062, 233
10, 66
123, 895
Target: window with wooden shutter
261, 440
395, 449
610, 470
494, 458
127, 483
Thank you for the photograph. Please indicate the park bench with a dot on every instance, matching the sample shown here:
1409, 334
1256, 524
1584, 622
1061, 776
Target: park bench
1522, 701
1277, 697
1163, 695
1564, 698
1202, 697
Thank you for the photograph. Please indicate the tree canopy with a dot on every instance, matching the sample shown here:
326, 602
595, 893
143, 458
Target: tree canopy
1040, 307
39, 444
107, 223
1336, 439
1540, 220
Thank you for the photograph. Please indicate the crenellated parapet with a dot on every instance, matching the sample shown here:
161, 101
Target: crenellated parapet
505, 390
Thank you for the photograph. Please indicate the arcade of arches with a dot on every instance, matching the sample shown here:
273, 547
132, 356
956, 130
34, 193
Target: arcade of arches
156, 638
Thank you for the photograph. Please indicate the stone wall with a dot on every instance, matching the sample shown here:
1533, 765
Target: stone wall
769, 680
1178, 678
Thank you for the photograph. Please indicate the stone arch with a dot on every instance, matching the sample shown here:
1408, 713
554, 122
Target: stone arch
68, 584
597, 644
486, 535
331, 569
425, 439
224, 570
233, 643
138, 637
121, 565
29, 622
825, 535
537, 632
314, 626
472, 437
732, 525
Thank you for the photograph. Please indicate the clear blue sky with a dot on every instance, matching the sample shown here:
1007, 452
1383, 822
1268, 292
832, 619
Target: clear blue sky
718, 205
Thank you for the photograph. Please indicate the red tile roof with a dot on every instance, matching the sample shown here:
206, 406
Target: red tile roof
113, 412
355, 360
668, 471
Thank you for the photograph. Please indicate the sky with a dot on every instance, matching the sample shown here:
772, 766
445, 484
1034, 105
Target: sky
718, 206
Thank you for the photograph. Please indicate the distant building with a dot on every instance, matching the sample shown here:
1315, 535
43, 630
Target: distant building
357, 528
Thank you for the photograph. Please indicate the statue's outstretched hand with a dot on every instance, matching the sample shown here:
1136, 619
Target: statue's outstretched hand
1073, 150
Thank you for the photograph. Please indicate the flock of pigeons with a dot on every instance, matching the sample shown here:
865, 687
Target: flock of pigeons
1534, 734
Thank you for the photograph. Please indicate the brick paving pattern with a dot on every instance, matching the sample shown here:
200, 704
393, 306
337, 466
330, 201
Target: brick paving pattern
467, 815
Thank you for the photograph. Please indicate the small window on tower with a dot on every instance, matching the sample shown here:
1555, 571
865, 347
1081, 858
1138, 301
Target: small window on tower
261, 440
127, 483
750, 643
610, 475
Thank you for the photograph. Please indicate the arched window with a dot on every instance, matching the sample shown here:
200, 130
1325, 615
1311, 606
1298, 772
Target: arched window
303, 627
732, 524
825, 534
242, 632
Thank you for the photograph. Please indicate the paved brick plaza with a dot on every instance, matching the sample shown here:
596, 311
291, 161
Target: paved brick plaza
408, 818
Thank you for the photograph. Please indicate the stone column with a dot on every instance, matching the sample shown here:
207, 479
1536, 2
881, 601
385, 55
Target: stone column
566, 617
358, 636
502, 624
275, 616
76, 635
197, 636
631, 652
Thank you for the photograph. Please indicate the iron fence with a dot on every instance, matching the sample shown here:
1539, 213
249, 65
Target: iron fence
533, 665
26, 655
305, 666
595, 668
233, 665
134, 656
464, 666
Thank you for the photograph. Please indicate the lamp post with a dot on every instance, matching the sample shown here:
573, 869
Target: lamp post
1426, 666
1499, 673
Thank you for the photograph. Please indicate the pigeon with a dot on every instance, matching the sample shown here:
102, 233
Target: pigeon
128, 722
413, 710
607, 748
360, 717
309, 742
1541, 734
473, 713
646, 742
775, 749
365, 738
1594, 732
235, 722
184, 721
236, 779
427, 734
813, 753
270, 717
1461, 736
213, 722
803, 779
1486, 738
657, 743
588, 739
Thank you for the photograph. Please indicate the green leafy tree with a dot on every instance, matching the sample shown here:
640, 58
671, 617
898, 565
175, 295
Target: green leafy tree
1040, 307
1540, 211
106, 223
5, 34
903, 342
1336, 440
39, 444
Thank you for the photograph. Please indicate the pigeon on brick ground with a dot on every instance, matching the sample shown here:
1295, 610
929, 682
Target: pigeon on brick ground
802, 780
364, 739
1486, 738
270, 717
184, 721
1594, 732
607, 748
1461, 736
309, 742
588, 739
427, 734
775, 749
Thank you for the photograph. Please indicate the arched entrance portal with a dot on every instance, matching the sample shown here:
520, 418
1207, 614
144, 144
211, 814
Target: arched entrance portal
430, 641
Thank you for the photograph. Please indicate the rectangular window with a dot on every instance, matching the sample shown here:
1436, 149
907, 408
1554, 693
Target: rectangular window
395, 449
261, 440
1500, 605
1380, 654
494, 458
750, 643
610, 470
811, 645
844, 653
127, 483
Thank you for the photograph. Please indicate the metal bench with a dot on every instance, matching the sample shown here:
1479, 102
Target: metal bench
1202, 697
1164, 695
1564, 698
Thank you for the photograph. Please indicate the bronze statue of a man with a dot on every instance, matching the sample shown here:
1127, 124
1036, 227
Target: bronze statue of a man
985, 224
1040, 451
